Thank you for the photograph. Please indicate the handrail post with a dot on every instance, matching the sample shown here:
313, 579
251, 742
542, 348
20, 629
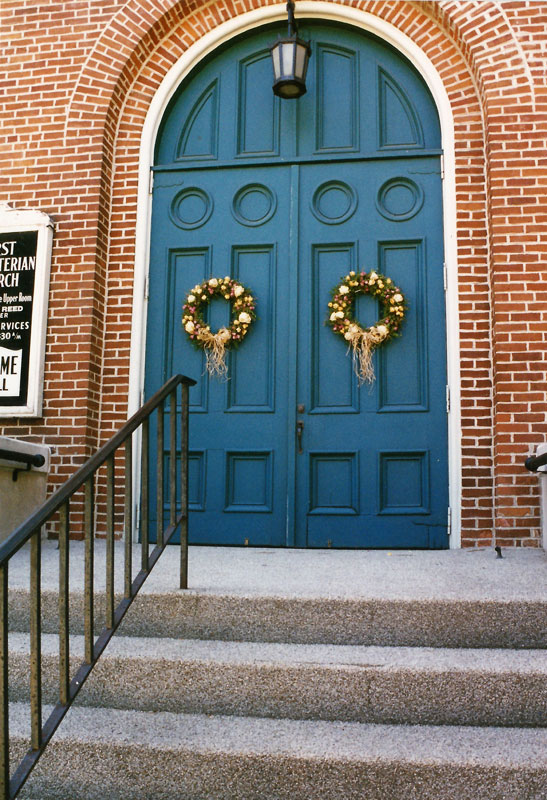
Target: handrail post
35, 640
4, 695
110, 506
128, 516
89, 502
159, 472
64, 638
173, 457
145, 490
184, 486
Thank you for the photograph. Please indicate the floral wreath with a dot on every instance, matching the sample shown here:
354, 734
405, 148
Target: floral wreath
363, 341
215, 344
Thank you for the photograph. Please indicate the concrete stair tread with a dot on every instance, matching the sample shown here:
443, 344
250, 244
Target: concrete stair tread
484, 660
291, 573
425, 744
329, 682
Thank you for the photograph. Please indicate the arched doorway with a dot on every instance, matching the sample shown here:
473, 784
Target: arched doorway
287, 197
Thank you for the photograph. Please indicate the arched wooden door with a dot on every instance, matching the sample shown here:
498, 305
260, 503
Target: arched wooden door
287, 197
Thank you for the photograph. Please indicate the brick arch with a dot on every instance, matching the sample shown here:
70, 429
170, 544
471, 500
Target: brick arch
480, 29
483, 32
466, 42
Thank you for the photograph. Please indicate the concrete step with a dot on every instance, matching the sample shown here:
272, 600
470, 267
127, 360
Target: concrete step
329, 620
299, 675
328, 682
166, 756
405, 598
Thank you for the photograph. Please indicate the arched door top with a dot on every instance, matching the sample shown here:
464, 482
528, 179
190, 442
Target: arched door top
366, 102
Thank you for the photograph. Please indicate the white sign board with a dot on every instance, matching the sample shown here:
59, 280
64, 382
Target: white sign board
25, 258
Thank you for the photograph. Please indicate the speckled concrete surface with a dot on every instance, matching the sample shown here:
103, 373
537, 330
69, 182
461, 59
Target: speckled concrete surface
364, 684
177, 756
450, 598
352, 574
336, 643
295, 661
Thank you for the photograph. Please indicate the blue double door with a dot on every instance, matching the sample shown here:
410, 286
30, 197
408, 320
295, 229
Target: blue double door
290, 451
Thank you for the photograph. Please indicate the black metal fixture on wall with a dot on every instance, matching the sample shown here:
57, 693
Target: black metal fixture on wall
290, 61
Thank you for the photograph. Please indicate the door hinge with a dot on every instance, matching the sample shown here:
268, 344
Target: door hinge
147, 287
442, 168
449, 521
447, 399
151, 182
445, 276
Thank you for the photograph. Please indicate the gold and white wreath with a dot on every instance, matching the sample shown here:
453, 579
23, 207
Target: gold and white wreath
201, 336
363, 341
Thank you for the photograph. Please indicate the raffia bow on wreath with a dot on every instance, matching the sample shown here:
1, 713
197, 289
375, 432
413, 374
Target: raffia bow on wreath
362, 343
215, 350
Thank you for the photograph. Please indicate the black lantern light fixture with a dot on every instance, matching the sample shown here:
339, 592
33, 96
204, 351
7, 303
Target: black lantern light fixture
290, 61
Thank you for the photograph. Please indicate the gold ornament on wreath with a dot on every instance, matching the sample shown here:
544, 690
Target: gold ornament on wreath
201, 336
363, 341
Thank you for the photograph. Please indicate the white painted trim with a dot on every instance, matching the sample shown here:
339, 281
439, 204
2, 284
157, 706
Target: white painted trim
313, 9
542, 477
19, 221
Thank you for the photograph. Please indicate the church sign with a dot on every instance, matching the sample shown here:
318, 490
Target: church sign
25, 256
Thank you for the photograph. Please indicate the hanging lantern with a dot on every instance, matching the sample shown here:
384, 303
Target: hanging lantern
290, 61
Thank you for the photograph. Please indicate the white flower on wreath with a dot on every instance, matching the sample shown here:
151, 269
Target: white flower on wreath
213, 282
339, 314
351, 331
372, 277
238, 290
191, 298
244, 317
189, 327
343, 289
397, 298
382, 330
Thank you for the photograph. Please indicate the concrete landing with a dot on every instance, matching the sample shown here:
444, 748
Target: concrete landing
349, 574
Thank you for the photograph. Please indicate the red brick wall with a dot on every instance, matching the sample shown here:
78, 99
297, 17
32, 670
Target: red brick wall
80, 79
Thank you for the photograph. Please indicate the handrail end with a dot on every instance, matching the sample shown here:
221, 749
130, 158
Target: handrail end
188, 381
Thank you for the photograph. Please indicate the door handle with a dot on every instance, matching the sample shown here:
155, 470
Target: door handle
299, 432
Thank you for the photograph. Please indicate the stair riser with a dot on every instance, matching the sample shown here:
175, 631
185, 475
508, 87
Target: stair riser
358, 694
183, 775
513, 624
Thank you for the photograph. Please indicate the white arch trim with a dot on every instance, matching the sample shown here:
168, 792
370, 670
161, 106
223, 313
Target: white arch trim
315, 9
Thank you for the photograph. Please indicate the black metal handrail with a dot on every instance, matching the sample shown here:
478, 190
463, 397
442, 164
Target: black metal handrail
533, 463
31, 459
30, 530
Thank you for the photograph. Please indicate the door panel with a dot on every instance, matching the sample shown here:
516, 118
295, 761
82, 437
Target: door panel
238, 427
373, 468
